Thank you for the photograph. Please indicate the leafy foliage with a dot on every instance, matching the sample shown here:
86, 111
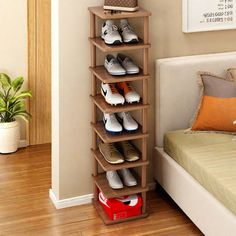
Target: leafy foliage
12, 100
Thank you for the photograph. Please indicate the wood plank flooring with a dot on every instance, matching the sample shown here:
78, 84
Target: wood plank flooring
25, 208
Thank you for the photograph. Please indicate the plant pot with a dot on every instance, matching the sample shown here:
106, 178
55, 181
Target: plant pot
9, 137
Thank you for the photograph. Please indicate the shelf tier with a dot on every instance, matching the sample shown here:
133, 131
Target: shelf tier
107, 108
101, 73
108, 167
107, 221
99, 43
124, 136
106, 15
108, 192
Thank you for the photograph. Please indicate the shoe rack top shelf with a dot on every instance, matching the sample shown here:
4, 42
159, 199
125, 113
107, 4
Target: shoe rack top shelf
99, 43
102, 184
101, 73
124, 136
105, 15
107, 108
109, 167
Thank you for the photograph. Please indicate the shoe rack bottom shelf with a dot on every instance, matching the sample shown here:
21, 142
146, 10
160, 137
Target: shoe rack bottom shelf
107, 221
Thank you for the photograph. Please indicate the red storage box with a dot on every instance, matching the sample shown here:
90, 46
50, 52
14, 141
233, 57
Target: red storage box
123, 207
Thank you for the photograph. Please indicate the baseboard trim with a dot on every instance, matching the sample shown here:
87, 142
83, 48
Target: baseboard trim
70, 202
23, 143
80, 200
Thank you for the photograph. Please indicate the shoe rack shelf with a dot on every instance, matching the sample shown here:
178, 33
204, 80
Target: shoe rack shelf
99, 73
99, 129
108, 167
105, 15
99, 43
107, 220
108, 192
106, 108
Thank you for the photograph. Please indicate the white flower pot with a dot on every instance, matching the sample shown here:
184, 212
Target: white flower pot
9, 137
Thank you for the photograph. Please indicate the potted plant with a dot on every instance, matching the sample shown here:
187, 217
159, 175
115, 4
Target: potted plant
12, 105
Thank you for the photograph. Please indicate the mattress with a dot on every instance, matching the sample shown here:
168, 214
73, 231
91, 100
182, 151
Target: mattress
210, 158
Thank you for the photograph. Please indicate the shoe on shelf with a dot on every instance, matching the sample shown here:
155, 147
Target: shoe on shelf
111, 124
127, 178
114, 180
128, 92
111, 94
127, 64
110, 33
127, 32
128, 122
112, 66
129, 151
110, 153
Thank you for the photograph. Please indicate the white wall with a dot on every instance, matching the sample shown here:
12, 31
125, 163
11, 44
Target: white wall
13, 40
71, 135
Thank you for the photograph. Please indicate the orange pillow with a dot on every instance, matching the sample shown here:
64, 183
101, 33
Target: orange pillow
216, 114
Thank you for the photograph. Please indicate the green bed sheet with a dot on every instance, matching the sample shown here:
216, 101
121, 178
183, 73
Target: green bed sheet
210, 158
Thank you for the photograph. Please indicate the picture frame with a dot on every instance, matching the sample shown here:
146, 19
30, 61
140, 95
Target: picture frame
208, 15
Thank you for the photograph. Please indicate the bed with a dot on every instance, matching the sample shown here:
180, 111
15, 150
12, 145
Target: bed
212, 209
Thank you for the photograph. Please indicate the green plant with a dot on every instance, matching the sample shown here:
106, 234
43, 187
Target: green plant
12, 100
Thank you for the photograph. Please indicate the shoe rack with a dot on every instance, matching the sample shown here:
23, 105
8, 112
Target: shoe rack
99, 103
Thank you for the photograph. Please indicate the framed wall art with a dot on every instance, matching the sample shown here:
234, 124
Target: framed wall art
208, 15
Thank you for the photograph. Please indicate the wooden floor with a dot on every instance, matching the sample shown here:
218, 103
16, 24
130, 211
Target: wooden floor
25, 208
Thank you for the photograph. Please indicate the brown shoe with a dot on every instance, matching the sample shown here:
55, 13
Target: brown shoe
129, 151
110, 153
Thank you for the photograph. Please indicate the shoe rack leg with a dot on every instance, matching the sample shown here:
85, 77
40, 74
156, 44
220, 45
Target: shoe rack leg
144, 113
94, 92
94, 141
144, 208
146, 29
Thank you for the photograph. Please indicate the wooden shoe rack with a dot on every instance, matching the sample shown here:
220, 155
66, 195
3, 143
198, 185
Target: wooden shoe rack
99, 74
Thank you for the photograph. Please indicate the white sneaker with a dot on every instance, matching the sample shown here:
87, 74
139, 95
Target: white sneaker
128, 92
113, 66
111, 95
127, 32
111, 124
114, 180
127, 64
127, 177
110, 33
129, 123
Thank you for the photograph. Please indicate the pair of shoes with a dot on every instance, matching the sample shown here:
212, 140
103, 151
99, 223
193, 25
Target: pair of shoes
112, 36
121, 65
118, 153
115, 182
125, 94
114, 127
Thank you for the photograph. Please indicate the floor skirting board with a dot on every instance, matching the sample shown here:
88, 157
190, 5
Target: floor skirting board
80, 200
70, 202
